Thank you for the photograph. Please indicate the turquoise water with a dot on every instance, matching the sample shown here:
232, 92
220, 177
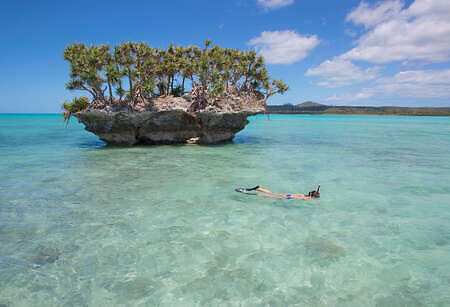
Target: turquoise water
84, 224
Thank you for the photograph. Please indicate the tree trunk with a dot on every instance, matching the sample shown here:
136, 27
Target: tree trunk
265, 102
265, 108
182, 85
120, 81
121, 91
168, 87
89, 90
110, 92
131, 86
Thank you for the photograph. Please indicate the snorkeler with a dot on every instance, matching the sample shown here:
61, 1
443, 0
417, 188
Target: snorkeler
267, 193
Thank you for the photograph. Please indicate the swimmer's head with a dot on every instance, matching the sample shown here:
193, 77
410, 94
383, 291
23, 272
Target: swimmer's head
314, 194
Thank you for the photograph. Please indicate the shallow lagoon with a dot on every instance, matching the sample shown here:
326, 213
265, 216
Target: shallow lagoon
82, 223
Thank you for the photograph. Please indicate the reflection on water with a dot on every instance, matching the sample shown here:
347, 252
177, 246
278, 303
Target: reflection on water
82, 223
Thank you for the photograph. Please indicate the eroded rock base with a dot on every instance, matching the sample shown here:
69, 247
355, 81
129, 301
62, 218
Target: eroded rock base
164, 127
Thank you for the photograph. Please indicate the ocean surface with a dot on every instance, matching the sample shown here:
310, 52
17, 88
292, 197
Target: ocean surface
85, 224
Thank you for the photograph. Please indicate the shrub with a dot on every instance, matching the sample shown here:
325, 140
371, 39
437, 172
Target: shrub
76, 105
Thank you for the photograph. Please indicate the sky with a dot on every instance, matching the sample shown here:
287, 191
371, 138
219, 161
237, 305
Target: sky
336, 52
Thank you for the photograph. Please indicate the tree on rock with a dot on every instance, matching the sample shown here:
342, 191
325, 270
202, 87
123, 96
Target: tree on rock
134, 74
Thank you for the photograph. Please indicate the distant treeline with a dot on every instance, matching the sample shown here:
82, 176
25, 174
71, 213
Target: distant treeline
350, 110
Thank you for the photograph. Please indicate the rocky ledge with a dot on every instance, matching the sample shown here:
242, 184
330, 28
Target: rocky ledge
161, 124
165, 127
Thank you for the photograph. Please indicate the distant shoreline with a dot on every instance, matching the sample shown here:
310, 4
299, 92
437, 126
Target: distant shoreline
28, 113
320, 109
354, 114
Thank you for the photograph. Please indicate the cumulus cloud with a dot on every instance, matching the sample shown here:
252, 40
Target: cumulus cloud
420, 32
339, 72
369, 16
427, 84
283, 47
393, 32
350, 98
417, 84
274, 4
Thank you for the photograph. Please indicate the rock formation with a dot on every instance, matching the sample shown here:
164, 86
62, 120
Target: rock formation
168, 120
145, 95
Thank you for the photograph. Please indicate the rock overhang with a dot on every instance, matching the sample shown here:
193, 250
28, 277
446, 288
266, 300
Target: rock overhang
165, 126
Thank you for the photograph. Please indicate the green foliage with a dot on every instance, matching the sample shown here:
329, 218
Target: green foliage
76, 105
162, 88
280, 86
135, 71
178, 91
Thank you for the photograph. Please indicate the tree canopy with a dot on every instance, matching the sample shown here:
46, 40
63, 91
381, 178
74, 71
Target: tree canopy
133, 73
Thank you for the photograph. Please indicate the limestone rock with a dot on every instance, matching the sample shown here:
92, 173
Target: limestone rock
177, 125
169, 120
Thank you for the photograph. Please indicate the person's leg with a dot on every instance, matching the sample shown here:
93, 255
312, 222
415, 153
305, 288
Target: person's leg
264, 191
269, 195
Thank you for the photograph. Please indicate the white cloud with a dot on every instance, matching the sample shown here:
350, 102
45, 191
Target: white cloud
350, 98
417, 84
418, 35
274, 4
339, 72
283, 47
371, 16
420, 32
421, 84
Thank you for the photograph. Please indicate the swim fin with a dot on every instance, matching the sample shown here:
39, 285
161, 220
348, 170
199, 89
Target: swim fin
245, 191
254, 188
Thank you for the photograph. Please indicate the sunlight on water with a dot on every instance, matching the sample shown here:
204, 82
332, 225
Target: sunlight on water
82, 223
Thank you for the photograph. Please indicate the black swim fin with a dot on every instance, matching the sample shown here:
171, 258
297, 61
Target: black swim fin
254, 188
245, 191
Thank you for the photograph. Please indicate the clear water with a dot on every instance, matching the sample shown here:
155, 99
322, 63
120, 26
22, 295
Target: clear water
84, 224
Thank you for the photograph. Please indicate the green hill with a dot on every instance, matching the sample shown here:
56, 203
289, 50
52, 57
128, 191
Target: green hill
308, 104
310, 107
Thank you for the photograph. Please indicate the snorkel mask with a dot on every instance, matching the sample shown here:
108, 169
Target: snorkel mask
315, 194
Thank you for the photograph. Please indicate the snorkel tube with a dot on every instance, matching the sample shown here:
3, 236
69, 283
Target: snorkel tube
316, 192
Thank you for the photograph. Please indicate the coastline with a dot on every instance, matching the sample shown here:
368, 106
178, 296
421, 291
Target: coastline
320, 109
362, 114
275, 113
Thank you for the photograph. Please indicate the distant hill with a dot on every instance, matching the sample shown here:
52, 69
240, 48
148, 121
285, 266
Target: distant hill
310, 107
308, 104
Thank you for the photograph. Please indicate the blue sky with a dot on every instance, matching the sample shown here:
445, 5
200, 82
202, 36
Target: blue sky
392, 52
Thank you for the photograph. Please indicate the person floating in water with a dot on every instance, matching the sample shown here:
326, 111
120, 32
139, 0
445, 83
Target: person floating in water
267, 193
